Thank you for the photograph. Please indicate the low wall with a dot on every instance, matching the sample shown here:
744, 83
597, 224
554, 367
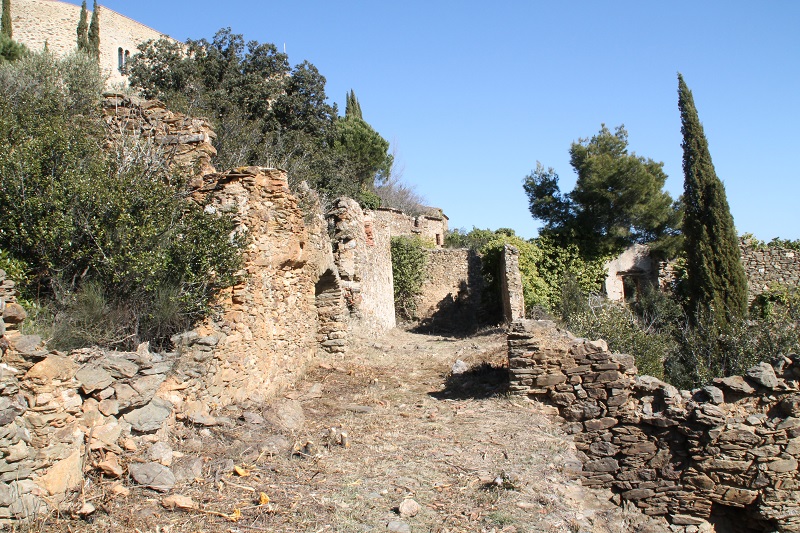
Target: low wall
728, 451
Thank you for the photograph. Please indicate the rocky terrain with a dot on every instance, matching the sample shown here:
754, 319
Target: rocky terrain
406, 433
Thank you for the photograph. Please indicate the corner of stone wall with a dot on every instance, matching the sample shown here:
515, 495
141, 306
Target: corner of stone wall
728, 449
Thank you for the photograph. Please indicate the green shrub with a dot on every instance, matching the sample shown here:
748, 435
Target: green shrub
104, 231
408, 269
625, 333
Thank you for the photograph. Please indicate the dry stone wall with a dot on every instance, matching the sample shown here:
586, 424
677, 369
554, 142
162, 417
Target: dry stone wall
769, 267
728, 451
430, 227
511, 285
38, 21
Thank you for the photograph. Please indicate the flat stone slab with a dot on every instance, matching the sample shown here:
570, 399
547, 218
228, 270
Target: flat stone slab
152, 475
150, 417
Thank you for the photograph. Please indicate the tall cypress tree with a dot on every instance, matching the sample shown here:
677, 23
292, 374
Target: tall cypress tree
5, 25
715, 279
94, 33
83, 29
352, 107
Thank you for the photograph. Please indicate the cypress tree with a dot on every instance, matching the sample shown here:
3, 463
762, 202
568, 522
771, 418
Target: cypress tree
352, 107
715, 279
5, 25
94, 33
83, 28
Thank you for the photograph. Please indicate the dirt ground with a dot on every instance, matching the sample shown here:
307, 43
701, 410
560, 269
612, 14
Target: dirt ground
385, 438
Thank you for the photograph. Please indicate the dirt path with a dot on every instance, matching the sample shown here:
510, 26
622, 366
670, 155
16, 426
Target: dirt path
473, 458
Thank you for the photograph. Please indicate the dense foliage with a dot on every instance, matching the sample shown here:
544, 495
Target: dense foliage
715, 280
266, 112
617, 200
91, 226
408, 269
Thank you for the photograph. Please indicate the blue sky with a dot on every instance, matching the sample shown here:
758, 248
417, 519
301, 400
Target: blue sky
472, 95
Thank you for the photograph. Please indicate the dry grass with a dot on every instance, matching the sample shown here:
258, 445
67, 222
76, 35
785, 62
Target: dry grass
475, 458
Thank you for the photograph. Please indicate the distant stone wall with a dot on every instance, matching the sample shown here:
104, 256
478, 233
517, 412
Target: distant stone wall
636, 267
432, 228
728, 451
38, 21
769, 267
451, 290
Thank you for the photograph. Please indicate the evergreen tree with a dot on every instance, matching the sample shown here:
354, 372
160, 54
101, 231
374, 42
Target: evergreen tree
83, 29
715, 280
94, 33
5, 25
352, 107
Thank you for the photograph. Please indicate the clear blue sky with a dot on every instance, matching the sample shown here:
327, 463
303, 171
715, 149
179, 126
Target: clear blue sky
472, 95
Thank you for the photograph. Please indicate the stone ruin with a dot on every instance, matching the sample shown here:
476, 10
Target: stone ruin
726, 453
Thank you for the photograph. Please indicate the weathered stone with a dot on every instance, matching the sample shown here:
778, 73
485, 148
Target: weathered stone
764, 375
600, 424
93, 377
788, 464
53, 367
739, 496
66, 474
547, 380
714, 394
14, 313
638, 494
152, 475
150, 417
119, 367
735, 384
601, 465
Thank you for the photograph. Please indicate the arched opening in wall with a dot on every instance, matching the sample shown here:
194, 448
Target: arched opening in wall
729, 519
331, 332
120, 59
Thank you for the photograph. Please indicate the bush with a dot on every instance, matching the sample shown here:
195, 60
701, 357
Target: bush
408, 269
625, 332
100, 231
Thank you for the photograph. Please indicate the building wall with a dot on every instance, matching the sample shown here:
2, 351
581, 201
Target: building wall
636, 263
38, 21
451, 290
770, 267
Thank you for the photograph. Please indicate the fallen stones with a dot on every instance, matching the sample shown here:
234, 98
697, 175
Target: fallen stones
152, 475
150, 417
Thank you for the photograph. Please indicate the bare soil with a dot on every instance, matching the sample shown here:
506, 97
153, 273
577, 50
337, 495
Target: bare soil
473, 457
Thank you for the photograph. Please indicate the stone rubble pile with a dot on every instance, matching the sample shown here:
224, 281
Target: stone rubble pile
730, 448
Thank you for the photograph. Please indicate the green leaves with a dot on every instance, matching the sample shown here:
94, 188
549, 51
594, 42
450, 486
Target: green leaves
408, 265
617, 200
77, 215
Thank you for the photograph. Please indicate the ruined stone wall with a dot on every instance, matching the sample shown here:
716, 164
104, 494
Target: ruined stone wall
511, 285
362, 252
451, 290
180, 141
769, 267
431, 227
729, 450
287, 306
35, 22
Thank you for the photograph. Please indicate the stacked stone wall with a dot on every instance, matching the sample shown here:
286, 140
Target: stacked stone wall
38, 21
769, 267
728, 449
511, 285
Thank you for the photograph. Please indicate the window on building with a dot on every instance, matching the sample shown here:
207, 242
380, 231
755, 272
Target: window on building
120, 59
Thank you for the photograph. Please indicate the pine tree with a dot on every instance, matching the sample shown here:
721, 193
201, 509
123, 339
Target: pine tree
94, 33
715, 279
83, 28
352, 107
5, 25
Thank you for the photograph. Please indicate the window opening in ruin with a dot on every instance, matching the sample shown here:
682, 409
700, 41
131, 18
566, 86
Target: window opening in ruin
120, 59
632, 286
438, 239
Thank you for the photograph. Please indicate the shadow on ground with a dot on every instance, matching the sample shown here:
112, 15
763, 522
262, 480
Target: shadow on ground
481, 381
